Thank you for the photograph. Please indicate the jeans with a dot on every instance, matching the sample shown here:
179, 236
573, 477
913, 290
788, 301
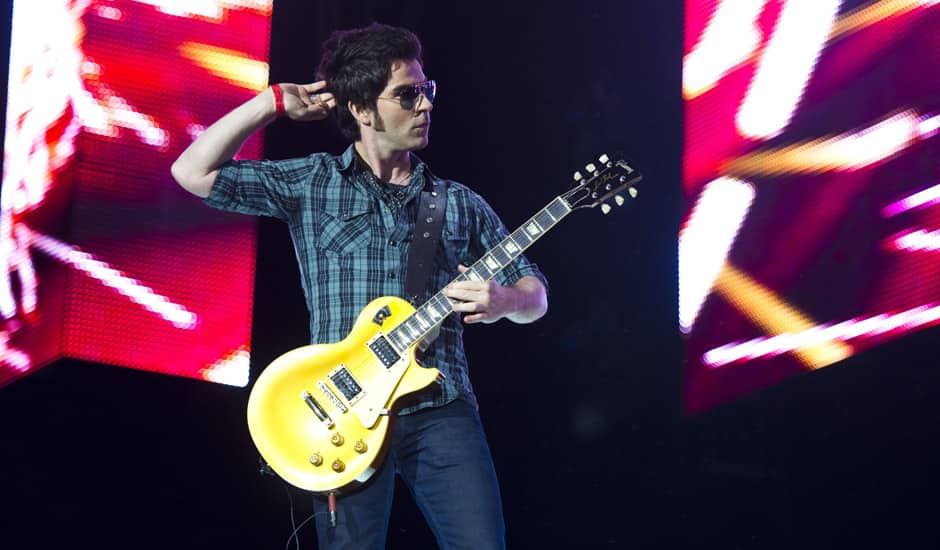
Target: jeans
442, 455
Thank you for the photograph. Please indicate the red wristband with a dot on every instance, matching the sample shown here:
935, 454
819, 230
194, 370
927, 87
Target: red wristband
278, 99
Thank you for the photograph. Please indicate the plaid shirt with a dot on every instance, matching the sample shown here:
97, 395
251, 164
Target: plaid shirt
352, 237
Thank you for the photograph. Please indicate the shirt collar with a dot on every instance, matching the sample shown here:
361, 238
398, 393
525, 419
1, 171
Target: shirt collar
350, 159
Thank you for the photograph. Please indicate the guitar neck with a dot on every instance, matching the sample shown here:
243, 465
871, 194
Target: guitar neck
434, 311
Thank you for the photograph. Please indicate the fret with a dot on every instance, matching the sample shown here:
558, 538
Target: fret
472, 274
396, 339
416, 327
558, 208
443, 302
521, 238
405, 338
482, 270
511, 247
533, 228
412, 334
422, 322
544, 219
436, 309
501, 256
492, 263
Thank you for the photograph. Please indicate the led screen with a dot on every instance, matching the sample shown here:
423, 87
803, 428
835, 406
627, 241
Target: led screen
104, 257
810, 173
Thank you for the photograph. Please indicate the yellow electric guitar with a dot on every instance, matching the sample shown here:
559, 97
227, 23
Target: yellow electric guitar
319, 414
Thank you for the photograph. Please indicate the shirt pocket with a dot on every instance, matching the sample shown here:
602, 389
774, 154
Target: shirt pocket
456, 240
344, 227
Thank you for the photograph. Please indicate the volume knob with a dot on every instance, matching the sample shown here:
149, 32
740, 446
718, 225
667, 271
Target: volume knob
338, 466
337, 439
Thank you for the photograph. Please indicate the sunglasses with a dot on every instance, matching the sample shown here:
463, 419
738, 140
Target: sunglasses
410, 97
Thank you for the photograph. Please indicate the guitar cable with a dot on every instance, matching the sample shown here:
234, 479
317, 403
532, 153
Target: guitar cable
266, 470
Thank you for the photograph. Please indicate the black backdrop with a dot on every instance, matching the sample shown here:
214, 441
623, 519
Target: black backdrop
582, 408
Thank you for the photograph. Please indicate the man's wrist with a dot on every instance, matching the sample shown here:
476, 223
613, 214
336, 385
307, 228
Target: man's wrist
278, 100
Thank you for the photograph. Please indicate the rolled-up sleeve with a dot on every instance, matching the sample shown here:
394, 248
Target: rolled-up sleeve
260, 187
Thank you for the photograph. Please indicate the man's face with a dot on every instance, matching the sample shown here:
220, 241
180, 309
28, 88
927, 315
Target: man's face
396, 128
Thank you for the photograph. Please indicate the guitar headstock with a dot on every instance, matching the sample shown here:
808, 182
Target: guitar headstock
608, 178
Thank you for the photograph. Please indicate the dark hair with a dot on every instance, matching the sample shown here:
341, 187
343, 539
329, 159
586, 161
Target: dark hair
357, 65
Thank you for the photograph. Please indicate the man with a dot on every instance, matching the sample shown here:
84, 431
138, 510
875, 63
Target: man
352, 218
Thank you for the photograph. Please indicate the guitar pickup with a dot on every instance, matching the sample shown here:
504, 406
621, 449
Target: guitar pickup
317, 409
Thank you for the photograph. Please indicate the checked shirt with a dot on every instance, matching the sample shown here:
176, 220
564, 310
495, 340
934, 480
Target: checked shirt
351, 236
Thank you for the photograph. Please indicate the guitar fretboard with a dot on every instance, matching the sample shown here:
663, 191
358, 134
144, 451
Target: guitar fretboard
433, 312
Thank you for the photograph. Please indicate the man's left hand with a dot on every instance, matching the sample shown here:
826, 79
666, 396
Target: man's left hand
481, 301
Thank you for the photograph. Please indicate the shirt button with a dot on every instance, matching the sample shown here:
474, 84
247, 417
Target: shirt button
391, 274
392, 243
426, 235
432, 206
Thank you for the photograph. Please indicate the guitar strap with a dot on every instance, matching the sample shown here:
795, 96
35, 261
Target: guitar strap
431, 212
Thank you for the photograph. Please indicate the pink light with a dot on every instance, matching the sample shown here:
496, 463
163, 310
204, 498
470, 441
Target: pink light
916, 241
928, 126
705, 240
176, 314
786, 66
729, 39
927, 197
853, 329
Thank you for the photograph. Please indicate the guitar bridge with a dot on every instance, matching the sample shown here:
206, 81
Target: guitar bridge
317, 409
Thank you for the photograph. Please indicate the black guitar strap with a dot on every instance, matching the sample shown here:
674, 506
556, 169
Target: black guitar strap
427, 236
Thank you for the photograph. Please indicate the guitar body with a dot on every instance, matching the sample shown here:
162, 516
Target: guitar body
351, 386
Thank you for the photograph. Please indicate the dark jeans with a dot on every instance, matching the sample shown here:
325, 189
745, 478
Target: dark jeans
442, 456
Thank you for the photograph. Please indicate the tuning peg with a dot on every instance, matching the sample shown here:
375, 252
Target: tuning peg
577, 176
632, 191
619, 200
605, 208
590, 167
603, 159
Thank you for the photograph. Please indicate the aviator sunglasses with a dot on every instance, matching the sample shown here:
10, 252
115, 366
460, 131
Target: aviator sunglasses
410, 96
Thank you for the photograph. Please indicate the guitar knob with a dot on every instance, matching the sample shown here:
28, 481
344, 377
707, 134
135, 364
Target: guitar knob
338, 466
577, 176
360, 446
337, 439
603, 159
605, 208
619, 200
316, 459
590, 167
632, 191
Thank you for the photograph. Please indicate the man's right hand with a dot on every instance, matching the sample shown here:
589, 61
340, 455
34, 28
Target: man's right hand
307, 101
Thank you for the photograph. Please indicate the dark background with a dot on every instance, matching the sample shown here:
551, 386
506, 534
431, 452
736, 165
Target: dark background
582, 408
